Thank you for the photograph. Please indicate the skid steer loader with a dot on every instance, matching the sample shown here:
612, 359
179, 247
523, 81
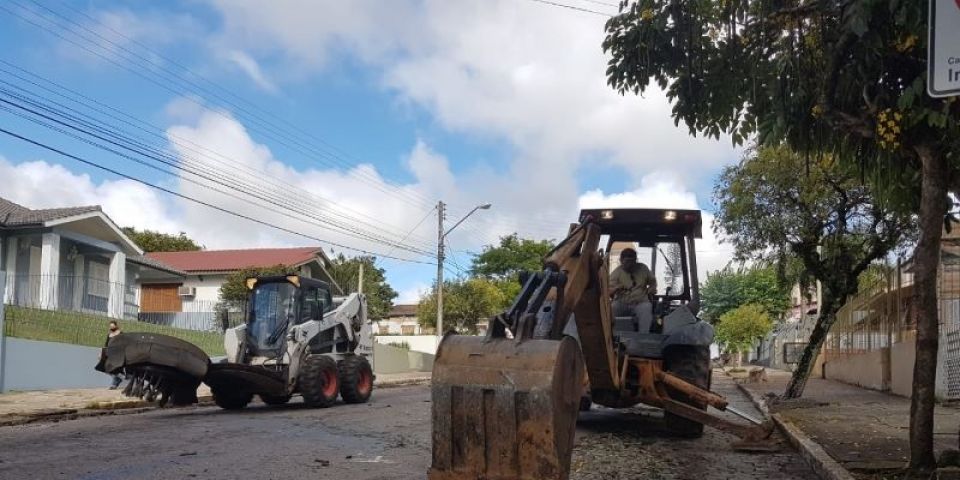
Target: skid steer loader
505, 405
297, 339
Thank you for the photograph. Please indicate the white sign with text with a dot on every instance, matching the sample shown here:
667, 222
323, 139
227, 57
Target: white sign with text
943, 51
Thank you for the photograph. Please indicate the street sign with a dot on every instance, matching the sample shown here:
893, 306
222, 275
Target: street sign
943, 50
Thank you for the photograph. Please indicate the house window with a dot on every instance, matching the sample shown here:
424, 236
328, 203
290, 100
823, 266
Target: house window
99, 285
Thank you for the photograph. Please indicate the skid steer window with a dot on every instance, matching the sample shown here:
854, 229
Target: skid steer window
312, 304
272, 309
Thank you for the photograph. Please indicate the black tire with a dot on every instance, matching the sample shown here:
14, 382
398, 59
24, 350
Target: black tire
356, 379
319, 381
231, 400
585, 403
693, 365
274, 399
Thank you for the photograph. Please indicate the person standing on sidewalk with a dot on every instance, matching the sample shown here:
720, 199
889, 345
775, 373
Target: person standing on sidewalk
114, 331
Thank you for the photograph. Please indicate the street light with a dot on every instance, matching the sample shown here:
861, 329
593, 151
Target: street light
442, 235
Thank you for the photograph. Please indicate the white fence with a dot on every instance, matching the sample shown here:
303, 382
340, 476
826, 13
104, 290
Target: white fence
416, 343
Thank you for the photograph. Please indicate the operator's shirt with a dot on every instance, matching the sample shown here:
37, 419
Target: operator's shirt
634, 285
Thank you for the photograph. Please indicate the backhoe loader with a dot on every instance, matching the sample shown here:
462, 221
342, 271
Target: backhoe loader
505, 405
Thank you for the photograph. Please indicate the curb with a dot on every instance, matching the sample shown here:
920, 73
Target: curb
407, 382
93, 409
816, 457
126, 407
68, 414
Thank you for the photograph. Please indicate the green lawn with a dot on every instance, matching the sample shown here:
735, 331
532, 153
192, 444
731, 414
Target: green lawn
91, 330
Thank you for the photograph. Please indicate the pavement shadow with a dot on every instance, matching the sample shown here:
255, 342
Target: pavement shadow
640, 423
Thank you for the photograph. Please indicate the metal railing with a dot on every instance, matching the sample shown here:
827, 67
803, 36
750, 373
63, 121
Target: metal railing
77, 310
84, 294
873, 319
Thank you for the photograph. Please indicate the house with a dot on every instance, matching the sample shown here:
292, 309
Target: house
73, 258
204, 271
401, 320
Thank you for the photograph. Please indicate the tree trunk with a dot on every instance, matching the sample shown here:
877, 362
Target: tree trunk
926, 259
827, 314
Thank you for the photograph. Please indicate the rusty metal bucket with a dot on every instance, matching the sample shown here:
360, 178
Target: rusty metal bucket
504, 410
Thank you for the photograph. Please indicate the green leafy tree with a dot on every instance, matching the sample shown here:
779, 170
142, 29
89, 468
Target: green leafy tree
503, 263
826, 218
512, 256
727, 289
843, 77
737, 329
151, 241
233, 292
346, 273
465, 304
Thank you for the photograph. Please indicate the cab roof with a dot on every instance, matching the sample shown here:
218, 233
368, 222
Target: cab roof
641, 223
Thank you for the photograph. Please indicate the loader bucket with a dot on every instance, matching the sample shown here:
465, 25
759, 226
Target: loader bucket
504, 410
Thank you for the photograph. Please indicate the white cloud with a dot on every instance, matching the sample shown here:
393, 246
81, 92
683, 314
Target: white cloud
516, 72
249, 66
657, 191
413, 294
520, 71
38, 184
113, 34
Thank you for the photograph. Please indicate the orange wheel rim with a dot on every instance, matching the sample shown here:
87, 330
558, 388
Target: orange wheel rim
366, 382
330, 384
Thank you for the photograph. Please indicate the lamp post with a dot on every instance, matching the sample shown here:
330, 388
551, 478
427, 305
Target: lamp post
441, 237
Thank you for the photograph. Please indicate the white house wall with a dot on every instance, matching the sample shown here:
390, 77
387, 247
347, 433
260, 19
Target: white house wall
208, 292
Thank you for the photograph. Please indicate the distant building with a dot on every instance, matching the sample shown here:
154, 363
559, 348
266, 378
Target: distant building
71, 259
401, 320
206, 270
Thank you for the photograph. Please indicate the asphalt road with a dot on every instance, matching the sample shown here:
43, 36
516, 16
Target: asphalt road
388, 438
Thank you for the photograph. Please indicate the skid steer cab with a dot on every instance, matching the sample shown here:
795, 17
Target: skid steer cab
297, 339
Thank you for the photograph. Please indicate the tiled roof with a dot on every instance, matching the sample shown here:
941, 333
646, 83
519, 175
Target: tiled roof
154, 264
403, 311
233, 260
14, 215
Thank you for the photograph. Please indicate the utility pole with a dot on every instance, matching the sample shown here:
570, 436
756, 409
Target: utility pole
440, 234
441, 239
360, 281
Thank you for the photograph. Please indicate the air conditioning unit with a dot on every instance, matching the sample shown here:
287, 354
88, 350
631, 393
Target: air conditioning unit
187, 291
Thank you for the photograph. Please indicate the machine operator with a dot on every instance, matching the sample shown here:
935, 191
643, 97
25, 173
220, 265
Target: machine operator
632, 284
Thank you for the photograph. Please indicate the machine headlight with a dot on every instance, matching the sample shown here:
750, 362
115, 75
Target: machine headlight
670, 215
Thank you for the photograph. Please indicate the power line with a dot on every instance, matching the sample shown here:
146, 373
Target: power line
597, 2
180, 79
113, 130
172, 163
201, 202
415, 227
280, 135
571, 7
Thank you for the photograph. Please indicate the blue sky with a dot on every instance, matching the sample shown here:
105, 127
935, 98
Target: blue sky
372, 110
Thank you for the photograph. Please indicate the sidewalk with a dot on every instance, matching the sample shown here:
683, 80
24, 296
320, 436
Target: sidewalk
864, 430
24, 407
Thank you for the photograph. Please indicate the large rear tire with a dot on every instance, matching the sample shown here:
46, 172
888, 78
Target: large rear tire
231, 400
356, 379
693, 365
319, 381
